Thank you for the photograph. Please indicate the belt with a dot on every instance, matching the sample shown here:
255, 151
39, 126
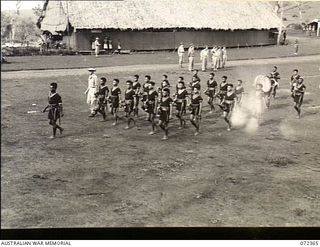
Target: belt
181, 100
165, 108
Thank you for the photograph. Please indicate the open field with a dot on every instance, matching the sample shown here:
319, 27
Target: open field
308, 46
96, 175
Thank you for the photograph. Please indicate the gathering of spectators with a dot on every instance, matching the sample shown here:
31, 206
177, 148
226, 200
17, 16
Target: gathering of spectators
218, 55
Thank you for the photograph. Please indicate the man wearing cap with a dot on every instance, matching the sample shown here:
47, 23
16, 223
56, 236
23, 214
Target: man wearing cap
96, 47
92, 90
180, 54
191, 57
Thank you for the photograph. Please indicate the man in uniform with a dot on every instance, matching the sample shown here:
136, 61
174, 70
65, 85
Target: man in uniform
214, 53
275, 77
191, 57
102, 96
181, 54
204, 55
298, 92
55, 109
136, 86
294, 78
211, 90
93, 87
151, 105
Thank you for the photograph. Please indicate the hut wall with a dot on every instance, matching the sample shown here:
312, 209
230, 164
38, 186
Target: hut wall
160, 40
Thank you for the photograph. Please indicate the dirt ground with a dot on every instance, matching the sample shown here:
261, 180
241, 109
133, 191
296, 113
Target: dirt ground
97, 175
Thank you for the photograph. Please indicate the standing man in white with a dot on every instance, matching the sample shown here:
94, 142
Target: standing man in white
204, 55
224, 56
181, 54
214, 58
191, 57
93, 87
97, 47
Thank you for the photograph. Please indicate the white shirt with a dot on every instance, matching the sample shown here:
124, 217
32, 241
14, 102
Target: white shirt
96, 43
204, 54
181, 49
93, 82
191, 51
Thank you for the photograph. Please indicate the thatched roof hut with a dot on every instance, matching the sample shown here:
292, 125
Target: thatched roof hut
141, 16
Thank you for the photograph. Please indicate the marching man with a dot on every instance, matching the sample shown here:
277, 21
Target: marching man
191, 57
298, 92
181, 54
55, 109
204, 55
97, 46
92, 90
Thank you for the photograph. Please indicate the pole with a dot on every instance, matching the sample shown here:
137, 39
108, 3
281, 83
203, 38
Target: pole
68, 29
280, 29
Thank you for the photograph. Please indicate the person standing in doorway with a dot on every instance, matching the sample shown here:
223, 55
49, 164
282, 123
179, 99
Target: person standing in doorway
181, 54
119, 46
97, 47
191, 57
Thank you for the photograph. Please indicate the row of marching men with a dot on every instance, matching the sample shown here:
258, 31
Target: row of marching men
217, 54
159, 103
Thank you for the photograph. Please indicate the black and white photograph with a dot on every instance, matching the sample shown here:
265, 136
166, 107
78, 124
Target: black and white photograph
160, 113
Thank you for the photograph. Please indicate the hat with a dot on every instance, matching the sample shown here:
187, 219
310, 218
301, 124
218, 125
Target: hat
97, 38
91, 69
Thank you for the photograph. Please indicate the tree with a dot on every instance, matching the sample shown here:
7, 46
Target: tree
5, 26
37, 11
26, 30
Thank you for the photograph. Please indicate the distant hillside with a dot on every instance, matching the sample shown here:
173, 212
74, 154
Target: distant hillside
309, 11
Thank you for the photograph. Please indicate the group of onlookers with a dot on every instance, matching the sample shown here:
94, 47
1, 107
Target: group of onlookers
217, 54
107, 46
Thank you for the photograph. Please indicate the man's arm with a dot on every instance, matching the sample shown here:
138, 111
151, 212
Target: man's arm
44, 109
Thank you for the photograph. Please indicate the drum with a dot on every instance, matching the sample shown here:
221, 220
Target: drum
264, 81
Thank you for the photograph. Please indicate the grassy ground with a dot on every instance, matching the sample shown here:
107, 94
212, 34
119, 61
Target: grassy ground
307, 47
96, 175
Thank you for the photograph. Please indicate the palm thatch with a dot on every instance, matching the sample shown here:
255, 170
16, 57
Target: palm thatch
159, 14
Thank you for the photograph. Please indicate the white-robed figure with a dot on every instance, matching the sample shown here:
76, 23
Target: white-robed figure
93, 87
224, 56
204, 55
97, 46
181, 54
219, 57
214, 58
191, 57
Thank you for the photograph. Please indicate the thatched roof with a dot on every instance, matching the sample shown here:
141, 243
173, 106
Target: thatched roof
159, 14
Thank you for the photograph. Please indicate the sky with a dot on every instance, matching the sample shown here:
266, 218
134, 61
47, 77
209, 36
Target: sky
11, 5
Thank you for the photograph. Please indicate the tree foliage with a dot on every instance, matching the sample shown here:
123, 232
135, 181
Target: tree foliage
5, 26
